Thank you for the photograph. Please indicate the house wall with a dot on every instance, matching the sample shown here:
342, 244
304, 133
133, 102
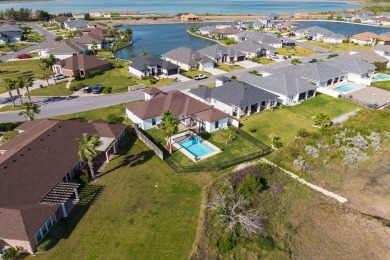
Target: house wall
332, 40
222, 124
360, 42
277, 45
135, 72
208, 65
228, 109
24, 246
147, 123
98, 46
180, 64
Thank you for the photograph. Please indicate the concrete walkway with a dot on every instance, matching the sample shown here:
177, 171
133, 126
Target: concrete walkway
343, 118
314, 187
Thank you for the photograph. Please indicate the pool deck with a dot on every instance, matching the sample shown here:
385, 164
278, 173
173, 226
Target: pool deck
373, 95
175, 144
355, 86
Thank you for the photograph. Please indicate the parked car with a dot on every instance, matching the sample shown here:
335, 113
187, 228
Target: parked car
200, 76
23, 56
313, 61
289, 44
59, 76
97, 89
274, 56
87, 89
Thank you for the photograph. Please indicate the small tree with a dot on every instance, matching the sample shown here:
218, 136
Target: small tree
27, 83
276, 143
94, 47
18, 86
170, 127
9, 85
87, 16
29, 110
321, 120
87, 150
58, 38
144, 53
295, 61
380, 66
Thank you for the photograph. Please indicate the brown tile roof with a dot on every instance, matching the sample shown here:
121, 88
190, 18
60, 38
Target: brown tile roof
88, 38
366, 36
153, 91
38, 159
227, 30
212, 115
27, 125
61, 18
83, 62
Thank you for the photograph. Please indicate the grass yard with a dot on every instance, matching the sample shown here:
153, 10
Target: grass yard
228, 67
381, 84
286, 121
294, 51
192, 73
56, 90
34, 36
338, 46
9, 108
264, 60
124, 216
236, 148
119, 79
13, 47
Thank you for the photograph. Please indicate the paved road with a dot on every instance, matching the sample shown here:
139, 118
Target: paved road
49, 37
53, 106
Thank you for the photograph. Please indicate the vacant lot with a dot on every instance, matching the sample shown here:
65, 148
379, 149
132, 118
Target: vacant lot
97, 114
228, 67
294, 51
56, 90
338, 46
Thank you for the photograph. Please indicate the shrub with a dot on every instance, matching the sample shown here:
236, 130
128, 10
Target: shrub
107, 90
52, 237
10, 253
77, 86
118, 66
302, 133
234, 77
250, 185
300, 163
153, 81
332, 55
275, 140
114, 119
4, 127
312, 151
227, 242
252, 129
58, 38
9, 135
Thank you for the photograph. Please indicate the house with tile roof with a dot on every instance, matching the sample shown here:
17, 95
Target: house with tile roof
264, 38
37, 168
319, 34
149, 66
222, 54
188, 59
61, 49
188, 111
253, 49
59, 20
369, 38
81, 65
88, 40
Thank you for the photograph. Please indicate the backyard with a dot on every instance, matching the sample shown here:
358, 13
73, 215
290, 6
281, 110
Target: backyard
294, 51
338, 46
381, 84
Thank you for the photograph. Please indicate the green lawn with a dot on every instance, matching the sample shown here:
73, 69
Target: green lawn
9, 108
228, 67
56, 90
285, 122
236, 148
13, 47
192, 73
381, 84
264, 60
130, 218
339, 46
34, 36
294, 51
119, 79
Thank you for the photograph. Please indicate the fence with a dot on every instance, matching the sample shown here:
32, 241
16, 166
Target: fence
359, 102
148, 142
136, 87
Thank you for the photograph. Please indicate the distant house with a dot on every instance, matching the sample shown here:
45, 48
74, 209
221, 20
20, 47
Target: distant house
253, 49
287, 25
75, 24
303, 16
61, 49
222, 54
319, 34
88, 39
383, 50
59, 20
80, 65
190, 18
149, 65
382, 20
228, 32
188, 59
370, 56
264, 38
263, 22
345, 16
37, 193
370, 38
238, 25
189, 112
236, 98
11, 33
367, 19
206, 30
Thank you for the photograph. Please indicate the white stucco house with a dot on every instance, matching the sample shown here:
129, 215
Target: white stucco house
316, 33
61, 49
188, 59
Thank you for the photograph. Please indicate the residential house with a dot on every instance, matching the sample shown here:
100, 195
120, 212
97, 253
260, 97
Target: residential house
188, 59
287, 25
236, 98
263, 22
75, 24
190, 18
228, 32
188, 111
240, 25
303, 16
149, 65
80, 65
366, 19
288, 88
253, 49
370, 38
61, 49
370, 56
274, 16
383, 50
222, 54
264, 38
100, 15
11, 33
345, 16
36, 171
206, 30
59, 20
382, 20
89, 39
319, 34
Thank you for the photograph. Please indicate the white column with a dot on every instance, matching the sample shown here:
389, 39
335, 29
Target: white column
77, 194
115, 147
64, 210
258, 107
307, 94
239, 113
107, 160
248, 112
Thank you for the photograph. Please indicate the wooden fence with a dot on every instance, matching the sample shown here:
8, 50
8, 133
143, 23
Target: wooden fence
148, 142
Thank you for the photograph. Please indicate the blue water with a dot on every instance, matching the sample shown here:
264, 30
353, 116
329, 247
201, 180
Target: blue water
182, 6
196, 147
346, 88
382, 77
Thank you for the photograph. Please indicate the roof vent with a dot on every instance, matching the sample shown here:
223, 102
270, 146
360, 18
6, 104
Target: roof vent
29, 149
14, 160
48, 135
5, 167
54, 130
41, 139
21, 155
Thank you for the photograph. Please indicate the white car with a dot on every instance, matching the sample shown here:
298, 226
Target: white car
274, 56
59, 76
200, 76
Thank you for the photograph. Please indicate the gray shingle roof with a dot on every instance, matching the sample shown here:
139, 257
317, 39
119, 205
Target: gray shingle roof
187, 56
313, 71
203, 92
259, 37
280, 83
350, 65
217, 51
76, 23
66, 46
252, 46
314, 30
207, 28
10, 28
141, 63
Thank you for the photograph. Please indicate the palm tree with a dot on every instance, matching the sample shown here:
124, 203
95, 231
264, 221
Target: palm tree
94, 47
51, 61
144, 53
44, 68
87, 150
169, 126
27, 83
9, 84
114, 49
18, 86
29, 110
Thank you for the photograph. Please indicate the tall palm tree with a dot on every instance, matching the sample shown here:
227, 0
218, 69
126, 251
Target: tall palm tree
170, 127
94, 47
27, 83
45, 69
9, 84
114, 49
29, 110
18, 86
51, 61
87, 150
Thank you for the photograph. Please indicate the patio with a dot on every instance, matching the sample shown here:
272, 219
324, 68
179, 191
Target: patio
373, 96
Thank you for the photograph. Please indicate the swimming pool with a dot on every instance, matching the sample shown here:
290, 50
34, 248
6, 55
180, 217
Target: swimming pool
382, 77
196, 147
347, 88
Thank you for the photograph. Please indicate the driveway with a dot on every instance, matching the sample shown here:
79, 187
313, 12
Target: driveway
49, 37
247, 64
215, 71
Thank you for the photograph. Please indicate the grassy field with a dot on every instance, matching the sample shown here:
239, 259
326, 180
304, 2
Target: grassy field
264, 60
119, 79
285, 122
294, 51
56, 90
228, 67
192, 73
381, 84
128, 217
338, 46
13, 47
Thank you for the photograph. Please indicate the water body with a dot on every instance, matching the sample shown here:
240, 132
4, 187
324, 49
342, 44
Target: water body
160, 38
182, 6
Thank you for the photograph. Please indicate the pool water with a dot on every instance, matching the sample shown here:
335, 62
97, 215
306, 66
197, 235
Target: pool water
196, 147
382, 77
346, 88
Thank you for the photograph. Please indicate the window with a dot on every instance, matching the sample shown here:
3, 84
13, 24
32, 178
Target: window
153, 121
272, 103
38, 236
216, 123
49, 223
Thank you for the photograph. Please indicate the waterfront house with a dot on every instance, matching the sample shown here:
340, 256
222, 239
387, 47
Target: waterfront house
81, 65
370, 38
75, 24
382, 20
288, 88
188, 59
11, 33
264, 38
287, 25
37, 168
228, 32
319, 34
240, 25
61, 49
206, 30
263, 22
253, 49
188, 111
222, 54
190, 18
88, 39
236, 98
344, 16
149, 66
303, 16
